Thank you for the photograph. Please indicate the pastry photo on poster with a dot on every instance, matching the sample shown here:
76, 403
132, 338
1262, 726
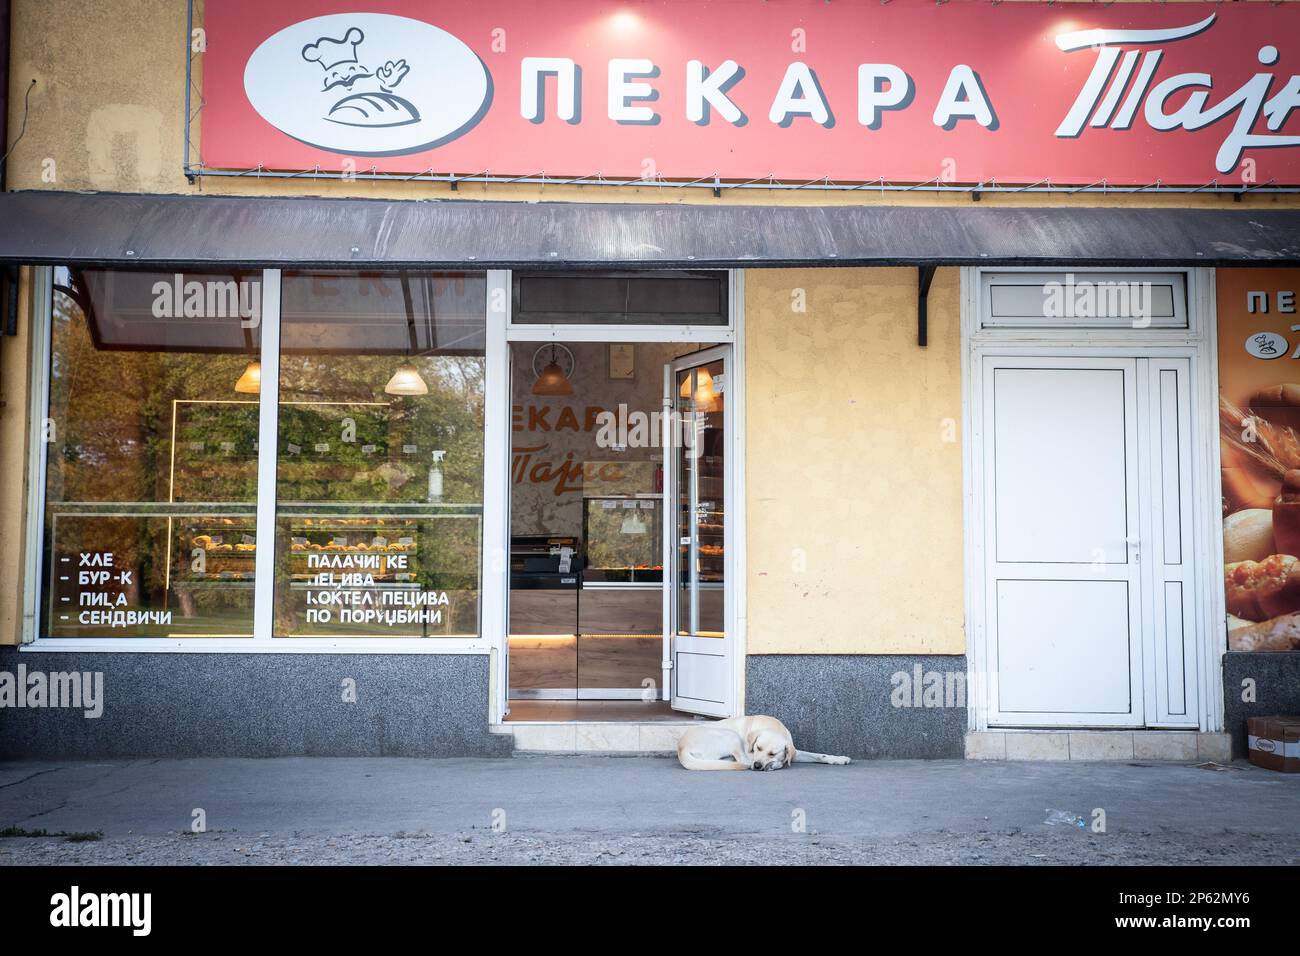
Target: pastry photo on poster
1259, 436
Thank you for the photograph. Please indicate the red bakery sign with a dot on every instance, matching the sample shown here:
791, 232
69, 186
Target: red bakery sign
907, 91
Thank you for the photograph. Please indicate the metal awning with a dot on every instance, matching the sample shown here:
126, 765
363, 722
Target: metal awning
45, 227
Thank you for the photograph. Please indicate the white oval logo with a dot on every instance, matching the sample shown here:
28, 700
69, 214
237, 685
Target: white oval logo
1266, 345
368, 84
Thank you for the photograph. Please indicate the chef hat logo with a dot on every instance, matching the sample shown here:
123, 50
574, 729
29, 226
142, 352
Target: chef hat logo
331, 54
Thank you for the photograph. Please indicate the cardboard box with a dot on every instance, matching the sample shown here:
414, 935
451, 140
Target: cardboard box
1274, 743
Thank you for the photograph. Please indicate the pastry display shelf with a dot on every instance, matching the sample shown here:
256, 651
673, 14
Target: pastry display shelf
229, 559
242, 580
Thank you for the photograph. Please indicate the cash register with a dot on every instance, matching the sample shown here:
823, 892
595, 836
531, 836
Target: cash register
544, 562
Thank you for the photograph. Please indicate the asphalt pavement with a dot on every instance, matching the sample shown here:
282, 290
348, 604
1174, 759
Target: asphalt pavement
642, 810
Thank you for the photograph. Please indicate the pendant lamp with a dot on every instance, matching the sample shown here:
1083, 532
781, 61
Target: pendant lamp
705, 397
406, 381
250, 383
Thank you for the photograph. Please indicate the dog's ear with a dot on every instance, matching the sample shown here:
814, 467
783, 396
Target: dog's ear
790, 754
750, 740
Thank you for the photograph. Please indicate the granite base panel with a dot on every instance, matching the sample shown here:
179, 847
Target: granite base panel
1276, 677
865, 706
260, 705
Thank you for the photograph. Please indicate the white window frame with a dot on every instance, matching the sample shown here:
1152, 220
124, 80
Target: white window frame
1070, 327
563, 332
263, 641
1196, 342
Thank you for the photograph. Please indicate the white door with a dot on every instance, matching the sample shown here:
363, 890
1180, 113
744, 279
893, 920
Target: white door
697, 533
1088, 570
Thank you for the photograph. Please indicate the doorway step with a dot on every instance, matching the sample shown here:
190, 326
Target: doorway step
594, 727
1185, 746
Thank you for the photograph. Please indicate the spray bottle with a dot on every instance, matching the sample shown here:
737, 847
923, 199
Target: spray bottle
435, 477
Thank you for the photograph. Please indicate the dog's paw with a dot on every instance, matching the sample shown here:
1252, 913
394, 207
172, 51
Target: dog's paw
838, 761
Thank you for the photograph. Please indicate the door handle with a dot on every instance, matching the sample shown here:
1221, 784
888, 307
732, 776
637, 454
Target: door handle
1135, 543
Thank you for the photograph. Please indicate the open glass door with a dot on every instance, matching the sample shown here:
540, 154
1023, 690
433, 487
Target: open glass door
696, 560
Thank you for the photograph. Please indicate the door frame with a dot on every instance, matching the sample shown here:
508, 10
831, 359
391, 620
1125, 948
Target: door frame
672, 477
501, 333
1197, 344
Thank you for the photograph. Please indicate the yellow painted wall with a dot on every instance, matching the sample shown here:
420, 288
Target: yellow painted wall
853, 465
14, 373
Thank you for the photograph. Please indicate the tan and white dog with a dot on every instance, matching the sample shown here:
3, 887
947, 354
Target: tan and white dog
744, 743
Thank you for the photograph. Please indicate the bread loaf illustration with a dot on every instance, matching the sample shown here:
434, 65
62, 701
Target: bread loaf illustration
1259, 590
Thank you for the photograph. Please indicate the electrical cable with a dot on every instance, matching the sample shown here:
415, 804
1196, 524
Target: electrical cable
23, 129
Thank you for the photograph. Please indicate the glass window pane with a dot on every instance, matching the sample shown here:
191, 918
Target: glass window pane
380, 454
151, 468
701, 510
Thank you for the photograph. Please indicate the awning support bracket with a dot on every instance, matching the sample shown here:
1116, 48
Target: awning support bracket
924, 276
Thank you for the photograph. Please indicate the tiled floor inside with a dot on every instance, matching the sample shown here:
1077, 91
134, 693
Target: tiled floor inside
593, 710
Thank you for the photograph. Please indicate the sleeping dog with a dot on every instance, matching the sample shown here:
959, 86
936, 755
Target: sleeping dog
744, 743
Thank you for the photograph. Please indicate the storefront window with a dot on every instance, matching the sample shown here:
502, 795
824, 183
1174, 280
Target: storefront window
152, 455
151, 462
380, 455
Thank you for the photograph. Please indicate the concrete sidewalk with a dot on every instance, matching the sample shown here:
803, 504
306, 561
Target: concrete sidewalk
573, 809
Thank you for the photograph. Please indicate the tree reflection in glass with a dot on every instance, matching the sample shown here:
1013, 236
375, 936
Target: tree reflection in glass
380, 454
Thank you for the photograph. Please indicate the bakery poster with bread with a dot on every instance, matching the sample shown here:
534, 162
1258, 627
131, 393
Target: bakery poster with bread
1259, 434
